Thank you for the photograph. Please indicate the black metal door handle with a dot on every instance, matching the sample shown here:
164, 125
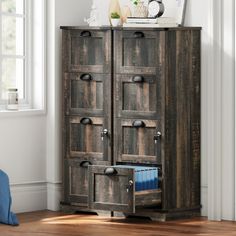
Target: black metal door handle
139, 34
85, 34
85, 164
110, 171
86, 77
138, 79
86, 121
138, 124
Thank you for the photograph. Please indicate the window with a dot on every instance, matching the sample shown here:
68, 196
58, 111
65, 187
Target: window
22, 51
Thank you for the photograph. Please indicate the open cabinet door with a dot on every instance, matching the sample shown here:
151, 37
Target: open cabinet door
111, 188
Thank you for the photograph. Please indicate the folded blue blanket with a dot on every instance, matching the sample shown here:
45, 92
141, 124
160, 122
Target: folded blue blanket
6, 216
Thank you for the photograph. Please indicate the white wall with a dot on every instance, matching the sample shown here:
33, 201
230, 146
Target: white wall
23, 157
103, 8
218, 91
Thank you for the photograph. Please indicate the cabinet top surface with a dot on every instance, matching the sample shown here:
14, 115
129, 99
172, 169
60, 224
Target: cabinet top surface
127, 28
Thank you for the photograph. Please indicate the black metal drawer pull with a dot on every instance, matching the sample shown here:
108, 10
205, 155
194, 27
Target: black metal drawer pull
110, 171
85, 34
86, 77
85, 164
138, 79
139, 34
138, 124
86, 121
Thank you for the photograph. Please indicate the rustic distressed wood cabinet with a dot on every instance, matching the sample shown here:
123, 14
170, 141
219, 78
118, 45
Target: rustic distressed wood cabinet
131, 100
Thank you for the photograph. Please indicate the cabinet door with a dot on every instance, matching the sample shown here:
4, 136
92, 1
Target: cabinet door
87, 50
137, 141
117, 189
84, 138
112, 188
139, 96
76, 180
84, 94
139, 51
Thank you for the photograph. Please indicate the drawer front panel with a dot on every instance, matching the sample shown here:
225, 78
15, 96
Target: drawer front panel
137, 141
112, 188
139, 51
85, 92
83, 138
76, 180
87, 51
111, 191
138, 96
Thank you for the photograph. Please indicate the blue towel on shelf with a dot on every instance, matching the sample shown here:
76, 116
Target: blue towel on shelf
6, 216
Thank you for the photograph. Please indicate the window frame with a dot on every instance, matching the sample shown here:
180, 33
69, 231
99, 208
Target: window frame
34, 65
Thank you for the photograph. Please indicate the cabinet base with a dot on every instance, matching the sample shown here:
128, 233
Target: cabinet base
82, 208
154, 215
162, 215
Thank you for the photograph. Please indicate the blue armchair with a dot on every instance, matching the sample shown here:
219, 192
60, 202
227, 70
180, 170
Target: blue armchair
6, 216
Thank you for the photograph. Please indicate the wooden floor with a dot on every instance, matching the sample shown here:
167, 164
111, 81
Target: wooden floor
48, 223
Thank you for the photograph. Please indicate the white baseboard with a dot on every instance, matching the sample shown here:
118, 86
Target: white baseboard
41, 195
204, 200
29, 197
54, 196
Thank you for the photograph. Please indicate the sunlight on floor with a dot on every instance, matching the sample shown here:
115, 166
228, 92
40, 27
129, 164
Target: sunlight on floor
79, 220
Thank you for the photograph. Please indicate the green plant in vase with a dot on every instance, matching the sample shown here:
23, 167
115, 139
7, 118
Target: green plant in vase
115, 19
115, 15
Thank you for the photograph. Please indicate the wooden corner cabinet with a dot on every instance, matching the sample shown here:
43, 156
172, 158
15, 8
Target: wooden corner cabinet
131, 121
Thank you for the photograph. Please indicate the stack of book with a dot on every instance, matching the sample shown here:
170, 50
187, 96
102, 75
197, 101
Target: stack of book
161, 22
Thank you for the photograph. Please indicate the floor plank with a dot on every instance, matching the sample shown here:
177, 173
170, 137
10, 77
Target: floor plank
47, 223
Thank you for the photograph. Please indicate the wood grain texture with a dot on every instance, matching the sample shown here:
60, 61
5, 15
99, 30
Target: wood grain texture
166, 99
75, 182
86, 59
46, 223
118, 190
87, 97
181, 180
137, 54
87, 54
138, 99
111, 192
85, 140
136, 145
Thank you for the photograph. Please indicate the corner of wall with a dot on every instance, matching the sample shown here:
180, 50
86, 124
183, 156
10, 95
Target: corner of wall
53, 196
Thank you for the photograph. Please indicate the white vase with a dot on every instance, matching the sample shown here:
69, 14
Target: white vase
115, 22
140, 10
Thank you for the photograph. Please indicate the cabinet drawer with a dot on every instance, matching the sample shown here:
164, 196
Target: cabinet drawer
85, 93
113, 188
84, 140
87, 51
138, 141
139, 96
139, 51
76, 180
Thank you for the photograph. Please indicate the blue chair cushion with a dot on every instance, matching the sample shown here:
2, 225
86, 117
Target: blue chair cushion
6, 216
